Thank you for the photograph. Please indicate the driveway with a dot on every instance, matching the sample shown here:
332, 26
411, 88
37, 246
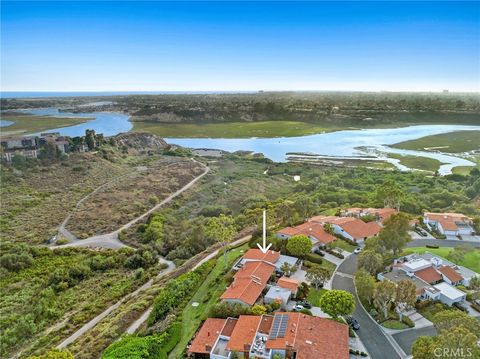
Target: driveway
378, 344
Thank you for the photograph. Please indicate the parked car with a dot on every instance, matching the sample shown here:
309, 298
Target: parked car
319, 252
278, 273
357, 250
305, 304
353, 323
298, 307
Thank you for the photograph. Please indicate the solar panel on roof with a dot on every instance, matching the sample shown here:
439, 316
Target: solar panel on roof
279, 326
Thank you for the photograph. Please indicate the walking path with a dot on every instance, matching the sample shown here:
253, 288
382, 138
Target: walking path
137, 323
85, 328
110, 240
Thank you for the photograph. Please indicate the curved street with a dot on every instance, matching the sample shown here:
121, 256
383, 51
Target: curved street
379, 344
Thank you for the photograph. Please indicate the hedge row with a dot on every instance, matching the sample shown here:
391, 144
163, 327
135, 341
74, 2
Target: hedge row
178, 291
314, 258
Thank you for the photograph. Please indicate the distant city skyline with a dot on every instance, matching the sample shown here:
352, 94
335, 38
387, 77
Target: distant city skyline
227, 46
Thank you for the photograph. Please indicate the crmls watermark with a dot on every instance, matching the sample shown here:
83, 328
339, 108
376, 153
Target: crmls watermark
453, 353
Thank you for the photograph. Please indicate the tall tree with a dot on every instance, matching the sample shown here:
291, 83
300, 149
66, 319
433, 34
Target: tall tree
449, 319
459, 340
391, 194
299, 246
394, 234
365, 285
405, 297
90, 139
337, 302
385, 293
370, 261
317, 275
423, 348
221, 229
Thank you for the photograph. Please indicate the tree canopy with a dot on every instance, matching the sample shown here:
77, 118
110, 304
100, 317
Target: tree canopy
337, 302
299, 246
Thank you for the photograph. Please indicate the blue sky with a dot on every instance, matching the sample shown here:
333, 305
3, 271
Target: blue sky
155, 46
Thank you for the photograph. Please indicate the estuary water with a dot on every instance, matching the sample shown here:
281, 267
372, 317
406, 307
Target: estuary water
361, 144
108, 123
371, 144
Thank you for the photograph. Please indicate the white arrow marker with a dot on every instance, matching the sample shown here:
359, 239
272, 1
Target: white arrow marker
264, 248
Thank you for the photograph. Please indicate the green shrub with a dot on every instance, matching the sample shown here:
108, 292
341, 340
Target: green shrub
408, 321
178, 291
136, 347
314, 258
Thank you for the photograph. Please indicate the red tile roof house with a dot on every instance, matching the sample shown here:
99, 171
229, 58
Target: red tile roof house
349, 227
289, 335
381, 214
248, 283
314, 231
449, 224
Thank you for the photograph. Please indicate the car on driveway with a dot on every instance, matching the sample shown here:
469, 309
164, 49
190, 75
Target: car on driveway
298, 307
357, 250
352, 322
305, 304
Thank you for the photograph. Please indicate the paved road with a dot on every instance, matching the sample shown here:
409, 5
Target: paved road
377, 343
406, 338
110, 240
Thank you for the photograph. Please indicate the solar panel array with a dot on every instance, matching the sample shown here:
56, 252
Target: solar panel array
279, 326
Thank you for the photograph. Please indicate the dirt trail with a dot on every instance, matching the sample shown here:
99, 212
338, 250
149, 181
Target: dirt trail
110, 240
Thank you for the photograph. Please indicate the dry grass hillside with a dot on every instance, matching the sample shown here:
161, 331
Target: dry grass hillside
132, 195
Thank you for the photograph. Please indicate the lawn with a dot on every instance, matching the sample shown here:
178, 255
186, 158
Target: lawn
328, 265
417, 162
471, 259
207, 296
452, 142
344, 245
26, 124
232, 129
314, 296
394, 324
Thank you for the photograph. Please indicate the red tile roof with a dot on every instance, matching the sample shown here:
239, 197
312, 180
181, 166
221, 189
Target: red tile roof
289, 231
359, 229
207, 335
355, 227
448, 220
257, 254
310, 337
288, 283
313, 337
429, 275
321, 338
249, 282
316, 230
244, 332
450, 273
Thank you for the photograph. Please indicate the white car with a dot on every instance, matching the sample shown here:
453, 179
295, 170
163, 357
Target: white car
357, 250
298, 307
